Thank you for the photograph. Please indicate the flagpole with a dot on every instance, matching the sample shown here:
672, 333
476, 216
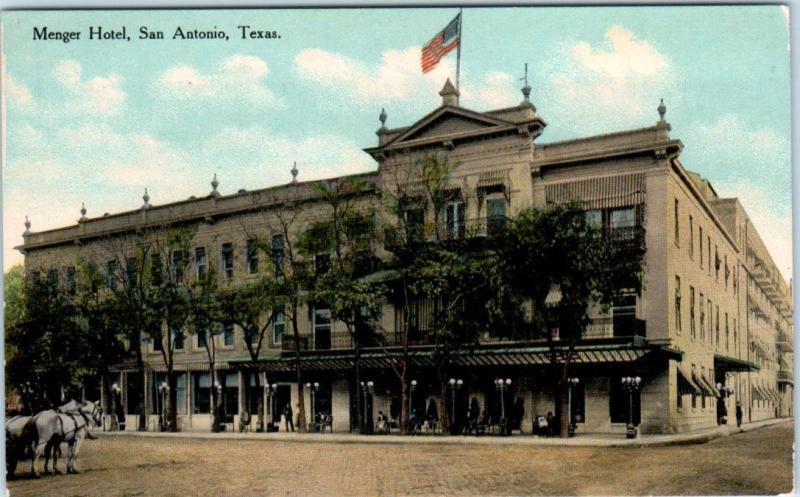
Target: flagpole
458, 55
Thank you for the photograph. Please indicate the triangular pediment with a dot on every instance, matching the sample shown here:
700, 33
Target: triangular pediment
448, 121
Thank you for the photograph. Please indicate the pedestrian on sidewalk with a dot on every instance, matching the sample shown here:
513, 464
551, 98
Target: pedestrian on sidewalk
289, 419
738, 414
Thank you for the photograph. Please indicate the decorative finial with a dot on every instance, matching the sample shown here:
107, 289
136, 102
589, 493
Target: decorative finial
526, 90
662, 109
83, 212
214, 185
294, 172
27, 226
146, 199
382, 117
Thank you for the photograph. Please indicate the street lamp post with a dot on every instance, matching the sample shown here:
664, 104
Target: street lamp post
455, 384
367, 389
410, 400
631, 385
217, 401
571, 382
164, 388
313, 388
722, 410
503, 386
270, 391
115, 391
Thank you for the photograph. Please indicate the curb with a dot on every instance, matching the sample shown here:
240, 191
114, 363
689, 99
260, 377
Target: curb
528, 441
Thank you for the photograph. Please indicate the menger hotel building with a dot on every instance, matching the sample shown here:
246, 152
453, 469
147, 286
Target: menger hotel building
714, 309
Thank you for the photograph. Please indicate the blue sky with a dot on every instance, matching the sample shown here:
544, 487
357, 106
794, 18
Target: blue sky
98, 121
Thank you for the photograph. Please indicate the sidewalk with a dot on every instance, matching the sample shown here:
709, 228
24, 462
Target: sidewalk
587, 440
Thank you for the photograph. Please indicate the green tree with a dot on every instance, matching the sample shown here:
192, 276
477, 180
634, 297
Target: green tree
557, 247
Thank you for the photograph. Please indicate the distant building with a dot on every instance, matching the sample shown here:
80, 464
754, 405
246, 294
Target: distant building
714, 309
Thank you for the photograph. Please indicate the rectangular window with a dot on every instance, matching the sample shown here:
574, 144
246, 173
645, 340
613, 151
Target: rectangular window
735, 337
594, 218
200, 262
180, 389
579, 403
727, 334
252, 256
495, 216
691, 313
227, 335
177, 265
694, 393
677, 225
230, 396
679, 396
111, 275
717, 262
702, 317
52, 278
177, 339
703, 397
322, 263
71, 285
691, 236
622, 218
454, 217
202, 337
322, 329
716, 325
708, 245
415, 224
678, 304
701, 247
158, 344
227, 259
277, 252
156, 269
710, 321
278, 327
130, 272
727, 271
201, 400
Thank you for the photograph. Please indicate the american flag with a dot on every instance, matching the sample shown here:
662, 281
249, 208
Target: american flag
441, 44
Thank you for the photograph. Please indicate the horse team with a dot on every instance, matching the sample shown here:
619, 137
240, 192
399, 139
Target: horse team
43, 434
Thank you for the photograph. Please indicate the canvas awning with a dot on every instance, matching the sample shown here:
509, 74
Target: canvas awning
710, 385
686, 385
553, 296
704, 387
516, 354
727, 363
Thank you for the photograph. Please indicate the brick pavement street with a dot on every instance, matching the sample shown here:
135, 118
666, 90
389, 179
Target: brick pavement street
755, 462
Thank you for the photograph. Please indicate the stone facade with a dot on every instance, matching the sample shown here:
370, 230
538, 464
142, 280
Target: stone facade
714, 309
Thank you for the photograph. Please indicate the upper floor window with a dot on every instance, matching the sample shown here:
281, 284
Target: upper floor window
727, 271
322, 263
622, 218
677, 225
52, 278
227, 335
278, 327
111, 274
708, 244
277, 251
701, 247
727, 333
495, 215
678, 304
691, 236
200, 262
177, 265
227, 259
130, 271
716, 326
252, 256
702, 317
177, 338
156, 269
691, 313
71, 286
454, 219
717, 262
415, 224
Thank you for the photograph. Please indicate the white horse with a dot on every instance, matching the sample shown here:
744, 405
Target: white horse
75, 420
44, 433
20, 433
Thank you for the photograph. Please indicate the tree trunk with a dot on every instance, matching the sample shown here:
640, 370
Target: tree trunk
357, 371
563, 410
444, 413
172, 401
260, 404
140, 408
404, 396
214, 408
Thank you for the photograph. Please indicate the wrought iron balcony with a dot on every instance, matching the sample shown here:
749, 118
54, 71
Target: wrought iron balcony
785, 376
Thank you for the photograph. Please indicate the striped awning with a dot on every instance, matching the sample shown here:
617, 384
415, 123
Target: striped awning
686, 385
501, 177
516, 355
704, 387
599, 193
710, 385
553, 296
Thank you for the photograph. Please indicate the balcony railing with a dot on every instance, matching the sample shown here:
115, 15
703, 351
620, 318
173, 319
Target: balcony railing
608, 327
785, 376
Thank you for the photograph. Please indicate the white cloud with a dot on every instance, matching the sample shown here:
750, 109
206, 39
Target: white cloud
772, 220
613, 84
17, 93
98, 96
237, 77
